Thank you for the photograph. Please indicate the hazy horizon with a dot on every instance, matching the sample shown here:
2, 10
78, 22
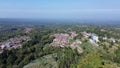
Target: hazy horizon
56, 21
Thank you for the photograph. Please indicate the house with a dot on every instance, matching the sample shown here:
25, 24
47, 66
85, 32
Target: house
94, 37
112, 40
73, 34
2, 46
86, 35
9, 44
105, 38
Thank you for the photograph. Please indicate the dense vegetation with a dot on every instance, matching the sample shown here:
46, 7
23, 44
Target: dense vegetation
38, 47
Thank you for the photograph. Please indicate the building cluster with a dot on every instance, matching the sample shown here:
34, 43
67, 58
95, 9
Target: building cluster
93, 38
73, 34
110, 39
75, 45
14, 42
28, 29
62, 39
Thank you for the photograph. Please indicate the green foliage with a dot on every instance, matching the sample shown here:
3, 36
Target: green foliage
91, 60
38, 47
117, 59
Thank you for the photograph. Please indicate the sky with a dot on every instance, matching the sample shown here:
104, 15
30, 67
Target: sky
61, 9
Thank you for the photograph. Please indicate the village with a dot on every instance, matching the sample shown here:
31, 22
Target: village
63, 40
13, 43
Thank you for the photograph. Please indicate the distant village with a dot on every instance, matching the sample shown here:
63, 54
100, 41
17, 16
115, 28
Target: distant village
13, 43
16, 42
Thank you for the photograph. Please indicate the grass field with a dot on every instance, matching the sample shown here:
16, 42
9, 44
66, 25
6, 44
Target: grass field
44, 62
